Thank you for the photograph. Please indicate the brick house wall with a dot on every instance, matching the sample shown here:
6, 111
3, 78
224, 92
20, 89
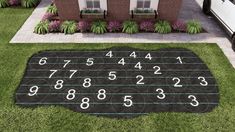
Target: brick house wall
118, 10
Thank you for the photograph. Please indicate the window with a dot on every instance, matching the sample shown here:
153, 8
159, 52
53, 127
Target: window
143, 4
93, 4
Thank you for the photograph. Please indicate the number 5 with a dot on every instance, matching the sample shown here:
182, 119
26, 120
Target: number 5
112, 75
127, 101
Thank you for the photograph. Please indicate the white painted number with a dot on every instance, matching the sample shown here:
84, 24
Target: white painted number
52, 73
148, 56
87, 83
66, 63
33, 90
180, 60
161, 94
72, 73
194, 101
112, 75
43, 61
109, 54
138, 66
128, 101
122, 62
71, 94
85, 103
203, 81
59, 84
90, 61
133, 54
177, 82
157, 70
140, 79
101, 94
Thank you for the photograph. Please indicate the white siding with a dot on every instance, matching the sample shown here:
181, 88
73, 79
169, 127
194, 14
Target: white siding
133, 4
103, 4
154, 4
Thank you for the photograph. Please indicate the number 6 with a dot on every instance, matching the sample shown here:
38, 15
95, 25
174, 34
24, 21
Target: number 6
42, 61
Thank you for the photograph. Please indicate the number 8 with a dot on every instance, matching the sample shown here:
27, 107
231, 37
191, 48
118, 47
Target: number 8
71, 94
101, 94
85, 101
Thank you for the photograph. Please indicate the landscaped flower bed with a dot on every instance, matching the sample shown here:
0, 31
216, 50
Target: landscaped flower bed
50, 23
23, 3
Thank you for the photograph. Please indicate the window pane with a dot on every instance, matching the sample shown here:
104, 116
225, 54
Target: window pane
96, 4
140, 4
89, 4
147, 4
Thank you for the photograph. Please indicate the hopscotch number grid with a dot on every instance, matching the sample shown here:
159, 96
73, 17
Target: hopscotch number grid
119, 82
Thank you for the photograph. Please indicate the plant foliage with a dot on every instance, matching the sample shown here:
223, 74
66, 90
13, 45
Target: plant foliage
147, 26
52, 9
163, 27
179, 25
69, 27
99, 27
194, 27
114, 26
54, 26
42, 27
130, 27
83, 26
29, 3
4, 3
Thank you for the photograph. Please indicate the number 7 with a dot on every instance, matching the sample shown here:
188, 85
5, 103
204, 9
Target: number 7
73, 72
53, 72
66, 63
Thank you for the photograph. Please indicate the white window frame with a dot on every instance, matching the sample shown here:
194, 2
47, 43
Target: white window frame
153, 4
82, 5
93, 8
143, 8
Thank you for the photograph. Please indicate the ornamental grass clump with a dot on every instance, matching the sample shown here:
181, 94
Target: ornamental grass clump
194, 27
69, 27
52, 9
99, 27
130, 27
42, 27
114, 26
29, 3
179, 26
83, 26
54, 26
147, 26
4, 3
162, 27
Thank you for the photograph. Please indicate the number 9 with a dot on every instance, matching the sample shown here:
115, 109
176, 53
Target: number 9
33, 90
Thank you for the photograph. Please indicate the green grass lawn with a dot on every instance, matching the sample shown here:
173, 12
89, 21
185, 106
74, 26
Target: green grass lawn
13, 59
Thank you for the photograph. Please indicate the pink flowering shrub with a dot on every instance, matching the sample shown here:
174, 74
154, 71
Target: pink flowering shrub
83, 26
47, 16
114, 26
54, 26
147, 26
179, 25
14, 2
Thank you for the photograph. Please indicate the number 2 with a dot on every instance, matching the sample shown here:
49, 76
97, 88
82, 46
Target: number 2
177, 84
140, 81
157, 71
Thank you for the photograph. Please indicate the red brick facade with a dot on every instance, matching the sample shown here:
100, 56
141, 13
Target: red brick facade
118, 10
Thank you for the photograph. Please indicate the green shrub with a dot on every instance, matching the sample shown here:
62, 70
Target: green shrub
194, 27
99, 27
162, 27
29, 3
4, 3
69, 27
130, 27
52, 9
42, 27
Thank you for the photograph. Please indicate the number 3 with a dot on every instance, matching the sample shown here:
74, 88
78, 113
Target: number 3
194, 101
203, 81
161, 94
